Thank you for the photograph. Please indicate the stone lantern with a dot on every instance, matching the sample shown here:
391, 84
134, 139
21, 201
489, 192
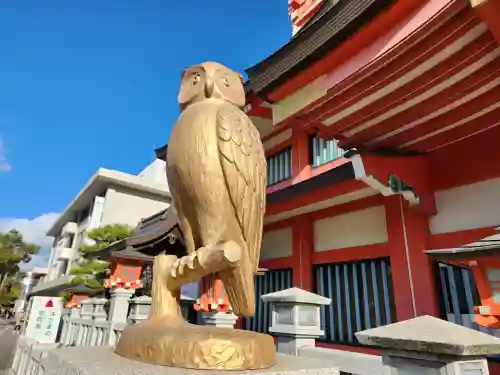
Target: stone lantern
295, 318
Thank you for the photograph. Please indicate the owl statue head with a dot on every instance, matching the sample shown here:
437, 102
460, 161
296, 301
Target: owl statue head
211, 80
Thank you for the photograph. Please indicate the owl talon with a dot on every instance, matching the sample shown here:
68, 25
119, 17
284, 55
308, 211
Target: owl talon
173, 270
179, 265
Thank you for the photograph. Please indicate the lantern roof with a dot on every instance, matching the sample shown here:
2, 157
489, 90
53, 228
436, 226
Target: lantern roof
431, 335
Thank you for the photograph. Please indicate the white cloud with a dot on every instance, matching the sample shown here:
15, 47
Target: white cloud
4, 164
33, 231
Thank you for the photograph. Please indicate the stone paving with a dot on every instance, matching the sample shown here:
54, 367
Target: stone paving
8, 341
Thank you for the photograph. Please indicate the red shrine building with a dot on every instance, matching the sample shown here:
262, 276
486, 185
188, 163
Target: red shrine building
380, 120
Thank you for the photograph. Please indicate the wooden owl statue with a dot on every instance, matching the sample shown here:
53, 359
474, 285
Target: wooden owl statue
216, 169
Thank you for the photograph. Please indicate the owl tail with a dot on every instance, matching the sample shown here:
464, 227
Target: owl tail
239, 285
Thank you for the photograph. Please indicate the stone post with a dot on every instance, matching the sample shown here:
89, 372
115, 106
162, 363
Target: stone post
295, 318
99, 315
72, 333
139, 310
219, 319
85, 314
118, 307
428, 345
66, 323
87, 309
118, 310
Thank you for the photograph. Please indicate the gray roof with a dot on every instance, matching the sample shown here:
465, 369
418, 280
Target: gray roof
485, 247
158, 231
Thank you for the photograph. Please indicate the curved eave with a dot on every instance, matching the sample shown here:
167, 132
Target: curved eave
328, 32
439, 84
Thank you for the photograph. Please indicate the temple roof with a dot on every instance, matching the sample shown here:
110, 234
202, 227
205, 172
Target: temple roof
82, 289
153, 235
333, 23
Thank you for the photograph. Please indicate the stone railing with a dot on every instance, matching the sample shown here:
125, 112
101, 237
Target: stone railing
99, 322
424, 345
95, 325
29, 356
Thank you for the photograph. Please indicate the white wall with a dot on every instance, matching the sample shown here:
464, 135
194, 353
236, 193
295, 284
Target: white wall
467, 207
358, 228
276, 244
155, 172
124, 206
97, 211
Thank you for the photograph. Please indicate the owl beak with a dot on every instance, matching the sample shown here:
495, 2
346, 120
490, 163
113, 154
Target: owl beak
209, 88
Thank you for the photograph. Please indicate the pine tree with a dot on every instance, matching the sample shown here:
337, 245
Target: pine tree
13, 252
91, 271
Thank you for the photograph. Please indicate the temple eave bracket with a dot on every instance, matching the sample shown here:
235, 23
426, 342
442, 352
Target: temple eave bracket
394, 186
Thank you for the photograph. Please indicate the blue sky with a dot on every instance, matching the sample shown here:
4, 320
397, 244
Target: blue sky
89, 84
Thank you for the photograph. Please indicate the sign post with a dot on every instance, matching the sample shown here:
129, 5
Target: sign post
44, 319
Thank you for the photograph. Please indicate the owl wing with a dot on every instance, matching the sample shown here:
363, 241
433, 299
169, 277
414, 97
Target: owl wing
244, 166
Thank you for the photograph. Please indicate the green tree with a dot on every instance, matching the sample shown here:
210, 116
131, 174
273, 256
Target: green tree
12, 291
13, 251
91, 271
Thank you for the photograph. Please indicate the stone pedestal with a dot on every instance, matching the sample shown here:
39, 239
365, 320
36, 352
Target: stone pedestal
295, 318
103, 361
219, 319
428, 345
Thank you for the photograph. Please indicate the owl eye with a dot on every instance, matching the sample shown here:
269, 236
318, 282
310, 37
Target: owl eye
196, 78
226, 81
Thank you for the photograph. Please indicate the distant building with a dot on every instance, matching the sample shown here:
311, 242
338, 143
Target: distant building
109, 197
29, 281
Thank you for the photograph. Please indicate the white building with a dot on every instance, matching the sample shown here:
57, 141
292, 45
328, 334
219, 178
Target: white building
29, 281
109, 197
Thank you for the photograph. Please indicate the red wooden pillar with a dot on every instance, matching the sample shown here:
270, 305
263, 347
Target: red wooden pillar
412, 271
423, 270
300, 152
302, 252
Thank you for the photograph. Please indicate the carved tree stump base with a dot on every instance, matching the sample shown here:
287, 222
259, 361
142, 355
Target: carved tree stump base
175, 343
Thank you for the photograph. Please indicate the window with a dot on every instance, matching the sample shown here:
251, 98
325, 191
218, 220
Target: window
71, 240
68, 240
64, 267
458, 293
362, 297
279, 167
323, 151
84, 214
271, 281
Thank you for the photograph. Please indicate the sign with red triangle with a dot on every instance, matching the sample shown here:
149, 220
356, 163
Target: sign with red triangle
49, 303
